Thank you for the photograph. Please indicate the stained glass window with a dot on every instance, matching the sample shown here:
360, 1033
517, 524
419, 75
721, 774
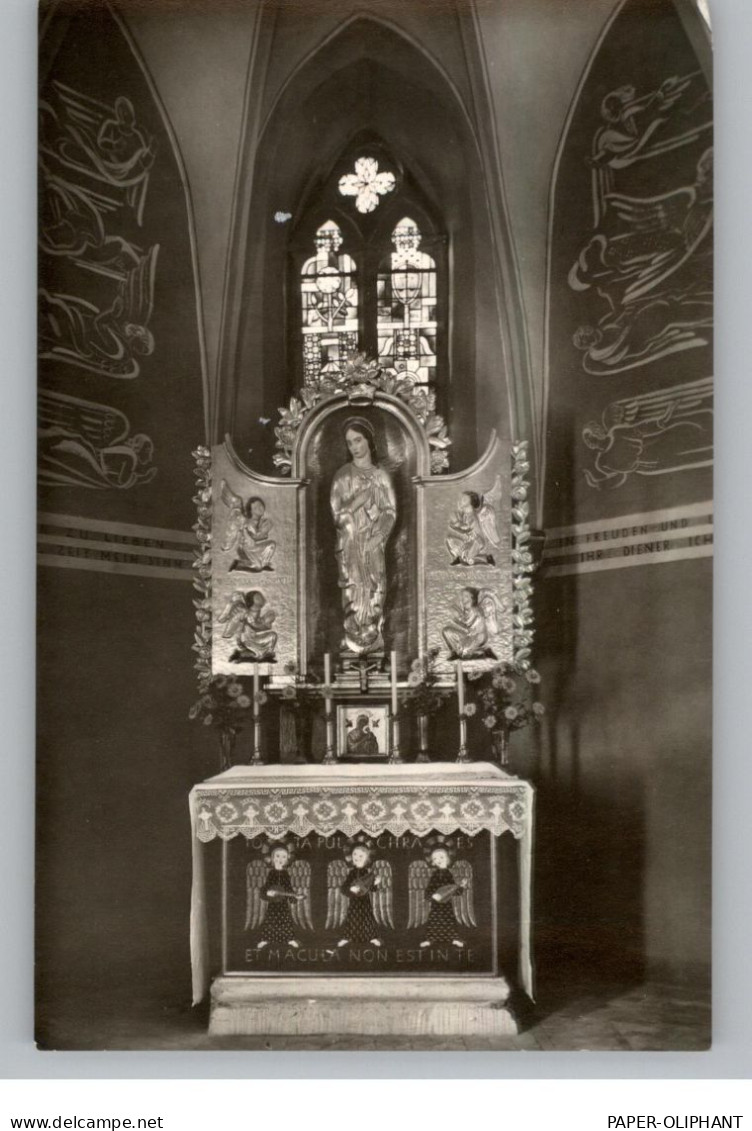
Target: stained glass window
406, 304
368, 263
329, 299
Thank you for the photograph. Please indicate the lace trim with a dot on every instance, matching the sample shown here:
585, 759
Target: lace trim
373, 810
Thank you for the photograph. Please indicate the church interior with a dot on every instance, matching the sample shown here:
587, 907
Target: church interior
555, 163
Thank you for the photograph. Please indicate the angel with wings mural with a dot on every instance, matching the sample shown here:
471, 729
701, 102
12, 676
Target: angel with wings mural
99, 141
441, 896
86, 444
278, 897
110, 341
247, 532
474, 529
360, 899
652, 272
249, 621
651, 434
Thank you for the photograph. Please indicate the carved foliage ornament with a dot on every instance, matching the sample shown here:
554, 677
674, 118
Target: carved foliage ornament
522, 557
362, 378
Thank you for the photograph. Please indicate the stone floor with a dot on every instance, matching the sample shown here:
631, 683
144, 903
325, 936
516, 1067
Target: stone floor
649, 1017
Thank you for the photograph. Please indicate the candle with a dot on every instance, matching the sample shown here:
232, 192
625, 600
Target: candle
394, 683
256, 759
462, 752
329, 758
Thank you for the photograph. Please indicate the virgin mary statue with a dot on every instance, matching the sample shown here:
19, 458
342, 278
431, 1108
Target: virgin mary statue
364, 509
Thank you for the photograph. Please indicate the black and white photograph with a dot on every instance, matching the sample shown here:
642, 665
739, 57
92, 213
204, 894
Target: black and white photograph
375, 525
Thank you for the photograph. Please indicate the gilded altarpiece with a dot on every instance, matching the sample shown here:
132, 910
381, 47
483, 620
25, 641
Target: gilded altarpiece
360, 566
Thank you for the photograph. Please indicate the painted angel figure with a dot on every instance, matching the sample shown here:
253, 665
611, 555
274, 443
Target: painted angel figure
441, 898
105, 142
360, 898
110, 341
474, 530
648, 435
249, 622
278, 899
85, 444
247, 532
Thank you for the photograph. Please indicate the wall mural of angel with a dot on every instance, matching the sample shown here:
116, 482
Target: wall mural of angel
360, 899
249, 623
441, 904
637, 127
654, 433
109, 341
103, 142
474, 528
85, 444
476, 629
247, 532
278, 897
71, 225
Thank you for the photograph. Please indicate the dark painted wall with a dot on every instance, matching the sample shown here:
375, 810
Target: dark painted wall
117, 756
623, 770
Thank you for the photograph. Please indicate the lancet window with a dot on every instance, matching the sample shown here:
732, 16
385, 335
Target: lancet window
329, 303
406, 313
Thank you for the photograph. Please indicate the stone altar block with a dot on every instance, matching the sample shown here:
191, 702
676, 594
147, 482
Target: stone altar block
388, 880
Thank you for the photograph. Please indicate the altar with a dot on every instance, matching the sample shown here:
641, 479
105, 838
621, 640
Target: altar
413, 819
367, 612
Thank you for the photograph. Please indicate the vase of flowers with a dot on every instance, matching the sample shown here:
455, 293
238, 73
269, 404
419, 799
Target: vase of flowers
424, 697
507, 701
224, 704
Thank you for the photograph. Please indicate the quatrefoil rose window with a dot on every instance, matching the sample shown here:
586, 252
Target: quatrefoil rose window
366, 184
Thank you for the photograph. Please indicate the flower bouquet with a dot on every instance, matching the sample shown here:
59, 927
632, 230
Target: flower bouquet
224, 703
506, 702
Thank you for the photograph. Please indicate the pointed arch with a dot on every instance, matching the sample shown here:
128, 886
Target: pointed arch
360, 77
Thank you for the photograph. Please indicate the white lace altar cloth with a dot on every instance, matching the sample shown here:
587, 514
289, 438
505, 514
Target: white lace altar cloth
442, 797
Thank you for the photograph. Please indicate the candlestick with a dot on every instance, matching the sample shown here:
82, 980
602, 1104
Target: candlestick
256, 760
423, 739
462, 752
329, 757
395, 756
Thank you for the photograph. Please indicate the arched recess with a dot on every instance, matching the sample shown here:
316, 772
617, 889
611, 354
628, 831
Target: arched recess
628, 352
366, 78
117, 249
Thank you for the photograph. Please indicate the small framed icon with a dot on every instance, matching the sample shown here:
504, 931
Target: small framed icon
363, 730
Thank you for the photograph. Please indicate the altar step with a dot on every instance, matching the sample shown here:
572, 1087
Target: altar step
400, 1007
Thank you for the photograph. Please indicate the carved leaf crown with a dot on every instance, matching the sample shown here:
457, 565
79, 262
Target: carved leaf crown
361, 378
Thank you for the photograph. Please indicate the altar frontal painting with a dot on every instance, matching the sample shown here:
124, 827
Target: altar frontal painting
367, 905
